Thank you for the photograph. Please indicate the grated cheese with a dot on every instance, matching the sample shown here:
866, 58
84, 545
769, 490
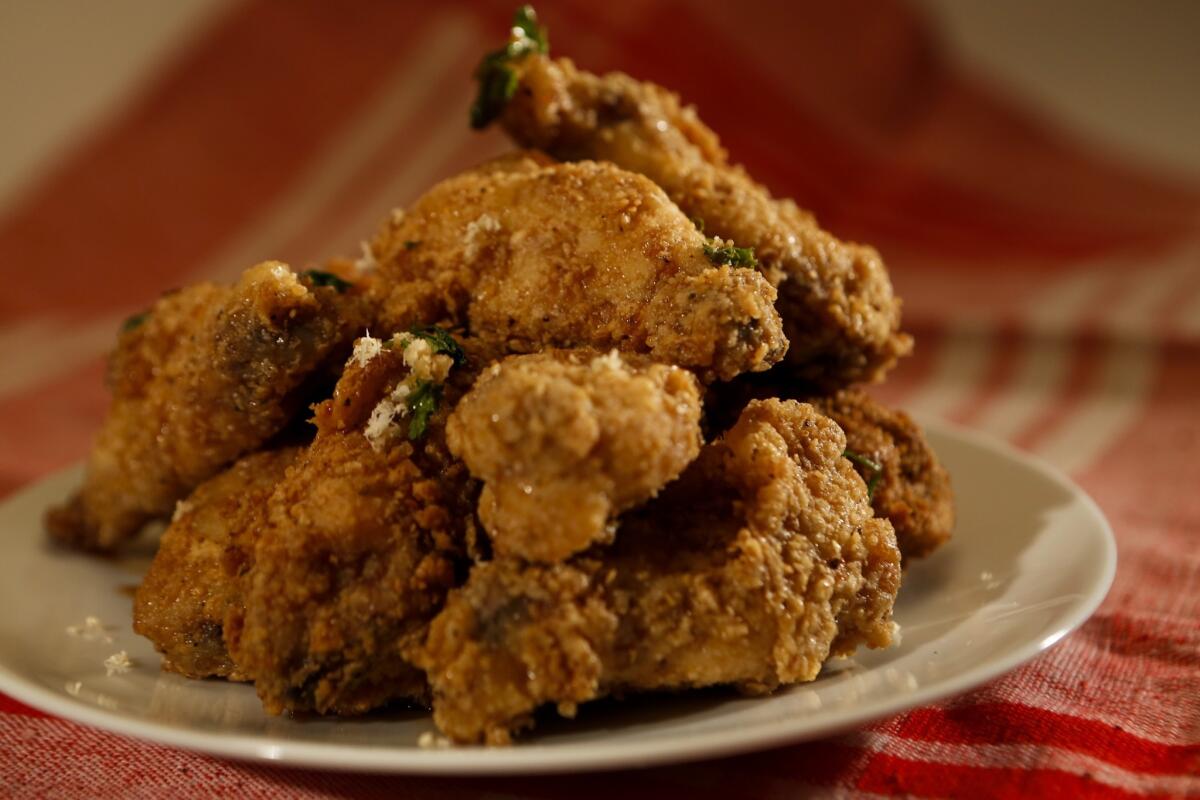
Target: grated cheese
476, 231
379, 424
425, 364
117, 664
365, 349
416, 352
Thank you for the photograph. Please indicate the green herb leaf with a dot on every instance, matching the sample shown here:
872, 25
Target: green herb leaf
699, 223
723, 255
497, 80
319, 278
135, 321
422, 402
872, 466
871, 484
442, 342
497, 85
411, 244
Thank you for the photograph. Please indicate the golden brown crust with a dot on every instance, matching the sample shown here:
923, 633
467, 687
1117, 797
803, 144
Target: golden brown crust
761, 560
360, 543
566, 440
836, 300
912, 490
573, 255
212, 374
183, 600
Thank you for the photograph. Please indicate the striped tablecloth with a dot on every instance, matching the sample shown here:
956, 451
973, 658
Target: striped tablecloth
1054, 294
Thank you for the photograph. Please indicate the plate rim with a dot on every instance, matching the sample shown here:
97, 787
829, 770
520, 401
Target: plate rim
533, 758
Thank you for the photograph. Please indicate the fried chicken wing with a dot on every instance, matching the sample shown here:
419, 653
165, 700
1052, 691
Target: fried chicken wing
760, 562
189, 589
211, 374
363, 537
839, 312
573, 255
910, 488
564, 441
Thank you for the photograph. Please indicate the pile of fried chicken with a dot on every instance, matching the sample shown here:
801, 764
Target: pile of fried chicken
584, 421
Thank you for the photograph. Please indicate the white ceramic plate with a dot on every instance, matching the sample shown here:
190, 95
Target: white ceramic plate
1031, 559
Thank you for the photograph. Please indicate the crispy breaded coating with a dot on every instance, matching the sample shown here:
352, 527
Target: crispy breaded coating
211, 374
566, 440
573, 255
185, 596
839, 312
912, 489
360, 542
760, 562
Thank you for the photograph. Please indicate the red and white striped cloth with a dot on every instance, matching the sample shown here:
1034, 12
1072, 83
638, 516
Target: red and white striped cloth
1054, 295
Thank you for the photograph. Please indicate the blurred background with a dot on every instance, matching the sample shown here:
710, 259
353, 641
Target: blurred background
1030, 171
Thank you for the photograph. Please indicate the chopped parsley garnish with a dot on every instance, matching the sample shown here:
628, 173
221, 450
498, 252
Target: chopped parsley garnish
422, 402
319, 278
442, 342
872, 466
728, 255
410, 244
497, 79
131, 323
699, 223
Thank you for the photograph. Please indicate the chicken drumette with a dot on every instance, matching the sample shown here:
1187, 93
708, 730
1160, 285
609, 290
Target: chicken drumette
836, 300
